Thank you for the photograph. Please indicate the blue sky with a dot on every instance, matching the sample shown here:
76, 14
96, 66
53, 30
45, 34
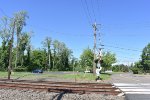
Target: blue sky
124, 23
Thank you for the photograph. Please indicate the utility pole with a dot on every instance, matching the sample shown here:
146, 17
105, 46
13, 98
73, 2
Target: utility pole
10, 51
100, 48
95, 29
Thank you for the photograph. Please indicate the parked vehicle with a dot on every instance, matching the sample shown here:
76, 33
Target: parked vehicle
37, 71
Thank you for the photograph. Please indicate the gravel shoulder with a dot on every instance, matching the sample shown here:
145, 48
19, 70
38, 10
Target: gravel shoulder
12, 94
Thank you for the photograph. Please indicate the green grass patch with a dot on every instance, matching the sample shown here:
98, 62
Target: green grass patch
86, 76
26, 75
117, 72
3, 74
78, 76
15, 74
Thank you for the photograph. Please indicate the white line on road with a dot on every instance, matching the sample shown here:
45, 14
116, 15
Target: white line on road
137, 92
137, 88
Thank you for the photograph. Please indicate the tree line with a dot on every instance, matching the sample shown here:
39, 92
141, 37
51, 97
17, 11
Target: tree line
17, 52
143, 65
53, 56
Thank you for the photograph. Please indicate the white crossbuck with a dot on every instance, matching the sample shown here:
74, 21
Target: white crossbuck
134, 88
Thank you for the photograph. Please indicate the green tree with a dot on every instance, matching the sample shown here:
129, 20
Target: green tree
38, 58
108, 60
120, 68
86, 59
23, 45
5, 36
137, 67
20, 18
47, 43
61, 56
146, 58
73, 63
12, 31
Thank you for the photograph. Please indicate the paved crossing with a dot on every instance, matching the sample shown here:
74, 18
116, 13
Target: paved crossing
134, 88
135, 91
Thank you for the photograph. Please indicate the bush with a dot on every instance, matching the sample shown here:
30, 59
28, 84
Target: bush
135, 70
3, 69
20, 69
80, 69
31, 68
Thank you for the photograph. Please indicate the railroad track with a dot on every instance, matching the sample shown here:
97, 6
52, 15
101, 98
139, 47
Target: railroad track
66, 87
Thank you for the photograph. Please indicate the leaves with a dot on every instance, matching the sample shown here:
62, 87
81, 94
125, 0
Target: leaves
87, 59
146, 58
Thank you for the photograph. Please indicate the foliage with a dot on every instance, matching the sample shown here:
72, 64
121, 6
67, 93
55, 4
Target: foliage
61, 56
20, 69
47, 44
86, 61
54, 56
38, 58
5, 36
20, 22
143, 66
108, 60
135, 70
120, 68
146, 58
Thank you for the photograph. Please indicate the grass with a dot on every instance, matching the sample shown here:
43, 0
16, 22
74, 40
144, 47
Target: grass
117, 72
15, 74
78, 76
86, 76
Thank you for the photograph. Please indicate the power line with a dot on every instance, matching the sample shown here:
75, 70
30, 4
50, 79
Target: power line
118, 55
86, 13
98, 8
88, 10
63, 33
124, 57
118, 51
107, 50
4, 13
47, 29
93, 10
123, 48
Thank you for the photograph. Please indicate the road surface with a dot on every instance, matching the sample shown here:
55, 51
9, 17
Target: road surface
135, 87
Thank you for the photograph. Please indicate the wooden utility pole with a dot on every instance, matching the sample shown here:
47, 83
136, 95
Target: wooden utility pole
100, 48
95, 29
10, 51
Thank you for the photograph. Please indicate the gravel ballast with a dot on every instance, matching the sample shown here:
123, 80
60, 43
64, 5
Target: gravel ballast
13, 94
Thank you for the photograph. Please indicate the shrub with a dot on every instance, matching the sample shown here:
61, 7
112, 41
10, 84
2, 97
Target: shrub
135, 70
20, 69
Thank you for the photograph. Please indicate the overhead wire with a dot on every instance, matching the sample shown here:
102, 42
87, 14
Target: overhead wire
48, 29
86, 13
87, 7
99, 39
109, 50
98, 9
3, 12
93, 10
129, 49
63, 33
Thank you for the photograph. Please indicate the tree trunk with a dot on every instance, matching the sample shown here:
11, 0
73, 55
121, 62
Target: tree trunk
16, 60
10, 52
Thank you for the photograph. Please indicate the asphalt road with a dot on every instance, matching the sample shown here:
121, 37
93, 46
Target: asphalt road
135, 87
130, 78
